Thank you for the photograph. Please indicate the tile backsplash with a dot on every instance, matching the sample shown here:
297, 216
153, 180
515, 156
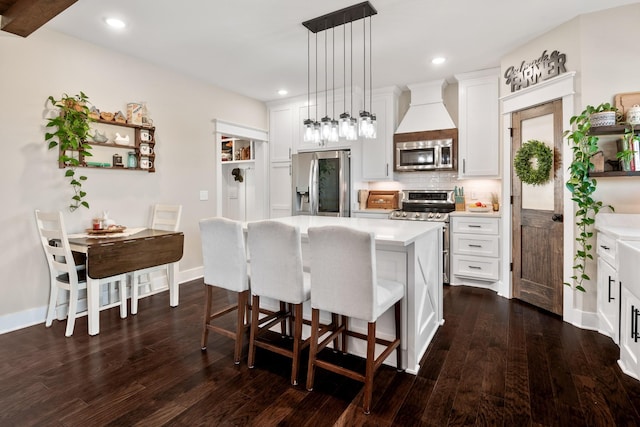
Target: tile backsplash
475, 189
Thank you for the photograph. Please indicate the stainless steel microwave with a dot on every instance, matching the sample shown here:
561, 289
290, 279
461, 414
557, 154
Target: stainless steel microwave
426, 155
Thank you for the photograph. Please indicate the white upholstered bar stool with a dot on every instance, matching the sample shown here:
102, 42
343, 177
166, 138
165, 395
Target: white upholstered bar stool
343, 281
163, 217
225, 266
277, 272
65, 274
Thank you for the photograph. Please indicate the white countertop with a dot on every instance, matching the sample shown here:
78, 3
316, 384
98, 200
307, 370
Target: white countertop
401, 233
619, 226
489, 214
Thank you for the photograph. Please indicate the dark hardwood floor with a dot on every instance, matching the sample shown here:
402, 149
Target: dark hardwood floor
494, 362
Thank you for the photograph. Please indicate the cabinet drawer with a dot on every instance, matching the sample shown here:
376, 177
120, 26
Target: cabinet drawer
475, 225
475, 267
473, 244
607, 248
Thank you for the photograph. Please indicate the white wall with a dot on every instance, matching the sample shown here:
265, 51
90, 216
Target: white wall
48, 63
599, 47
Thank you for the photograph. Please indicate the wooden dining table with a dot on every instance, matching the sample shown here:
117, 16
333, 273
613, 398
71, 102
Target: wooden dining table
108, 256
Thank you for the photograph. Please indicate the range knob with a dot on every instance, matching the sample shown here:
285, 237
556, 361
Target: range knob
404, 214
430, 215
417, 215
438, 215
396, 214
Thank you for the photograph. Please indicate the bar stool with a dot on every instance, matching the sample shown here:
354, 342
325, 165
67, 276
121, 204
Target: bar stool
225, 266
277, 273
343, 281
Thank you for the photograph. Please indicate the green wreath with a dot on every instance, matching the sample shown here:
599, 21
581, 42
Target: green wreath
522, 162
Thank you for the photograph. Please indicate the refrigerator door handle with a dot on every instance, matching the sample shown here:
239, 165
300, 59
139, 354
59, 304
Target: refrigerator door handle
313, 186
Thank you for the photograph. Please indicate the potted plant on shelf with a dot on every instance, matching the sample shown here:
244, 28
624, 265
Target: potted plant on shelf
71, 132
629, 148
582, 187
602, 115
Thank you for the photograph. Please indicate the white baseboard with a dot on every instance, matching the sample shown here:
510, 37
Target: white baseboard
34, 316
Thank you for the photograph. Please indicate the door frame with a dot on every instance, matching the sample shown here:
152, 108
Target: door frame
561, 87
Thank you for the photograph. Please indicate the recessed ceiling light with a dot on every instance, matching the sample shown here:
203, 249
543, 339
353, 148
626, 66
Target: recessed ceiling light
438, 60
115, 22
283, 92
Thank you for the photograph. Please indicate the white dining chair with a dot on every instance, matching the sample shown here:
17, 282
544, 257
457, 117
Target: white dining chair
344, 281
225, 266
144, 282
277, 273
65, 274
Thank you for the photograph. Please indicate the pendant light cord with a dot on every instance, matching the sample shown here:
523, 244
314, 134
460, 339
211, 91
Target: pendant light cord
364, 63
333, 73
308, 75
344, 65
370, 68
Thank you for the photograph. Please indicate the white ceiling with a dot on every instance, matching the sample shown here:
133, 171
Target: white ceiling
256, 47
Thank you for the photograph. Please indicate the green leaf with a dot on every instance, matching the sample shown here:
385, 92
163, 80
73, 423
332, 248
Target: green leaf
69, 172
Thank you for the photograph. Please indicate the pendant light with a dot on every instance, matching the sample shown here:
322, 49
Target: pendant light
334, 135
343, 123
347, 127
365, 125
308, 123
373, 129
325, 122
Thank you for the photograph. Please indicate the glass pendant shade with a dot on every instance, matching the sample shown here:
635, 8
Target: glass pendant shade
374, 127
343, 125
352, 132
308, 130
325, 128
334, 135
316, 133
364, 128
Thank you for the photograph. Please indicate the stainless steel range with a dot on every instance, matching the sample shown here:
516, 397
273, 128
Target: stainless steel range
429, 205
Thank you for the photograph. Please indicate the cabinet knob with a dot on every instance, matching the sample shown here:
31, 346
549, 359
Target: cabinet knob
557, 218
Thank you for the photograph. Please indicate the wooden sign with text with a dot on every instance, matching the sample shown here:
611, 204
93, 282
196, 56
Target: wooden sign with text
543, 68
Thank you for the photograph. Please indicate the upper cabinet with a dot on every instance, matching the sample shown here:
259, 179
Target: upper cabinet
282, 132
377, 154
478, 124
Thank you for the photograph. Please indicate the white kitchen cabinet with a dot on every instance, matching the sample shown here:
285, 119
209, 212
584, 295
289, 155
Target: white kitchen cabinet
475, 250
629, 275
478, 124
281, 132
280, 189
608, 302
377, 154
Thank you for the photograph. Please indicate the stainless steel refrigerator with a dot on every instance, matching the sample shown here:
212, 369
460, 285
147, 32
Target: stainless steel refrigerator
321, 183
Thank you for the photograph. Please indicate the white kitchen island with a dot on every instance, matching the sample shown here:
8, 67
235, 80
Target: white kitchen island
409, 252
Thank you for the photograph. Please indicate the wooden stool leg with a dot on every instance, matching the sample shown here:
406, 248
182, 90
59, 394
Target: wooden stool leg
398, 332
297, 342
283, 323
345, 323
313, 347
335, 321
370, 371
207, 315
243, 298
255, 311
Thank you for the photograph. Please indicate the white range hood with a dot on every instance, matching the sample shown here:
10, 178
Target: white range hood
426, 111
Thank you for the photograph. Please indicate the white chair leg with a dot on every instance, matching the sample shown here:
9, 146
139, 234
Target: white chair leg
135, 293
73, 309
122, 289
53, 301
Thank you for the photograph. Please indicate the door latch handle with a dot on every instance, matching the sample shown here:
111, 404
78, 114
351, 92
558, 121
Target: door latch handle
557, 218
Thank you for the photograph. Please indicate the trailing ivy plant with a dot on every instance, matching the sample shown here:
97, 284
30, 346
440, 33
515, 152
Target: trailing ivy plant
71, 132
582, 187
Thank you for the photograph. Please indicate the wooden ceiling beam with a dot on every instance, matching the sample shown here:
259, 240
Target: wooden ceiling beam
26, 16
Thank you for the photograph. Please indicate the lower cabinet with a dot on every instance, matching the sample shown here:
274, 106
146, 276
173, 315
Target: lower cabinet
475, 250
608, 303
629, 275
